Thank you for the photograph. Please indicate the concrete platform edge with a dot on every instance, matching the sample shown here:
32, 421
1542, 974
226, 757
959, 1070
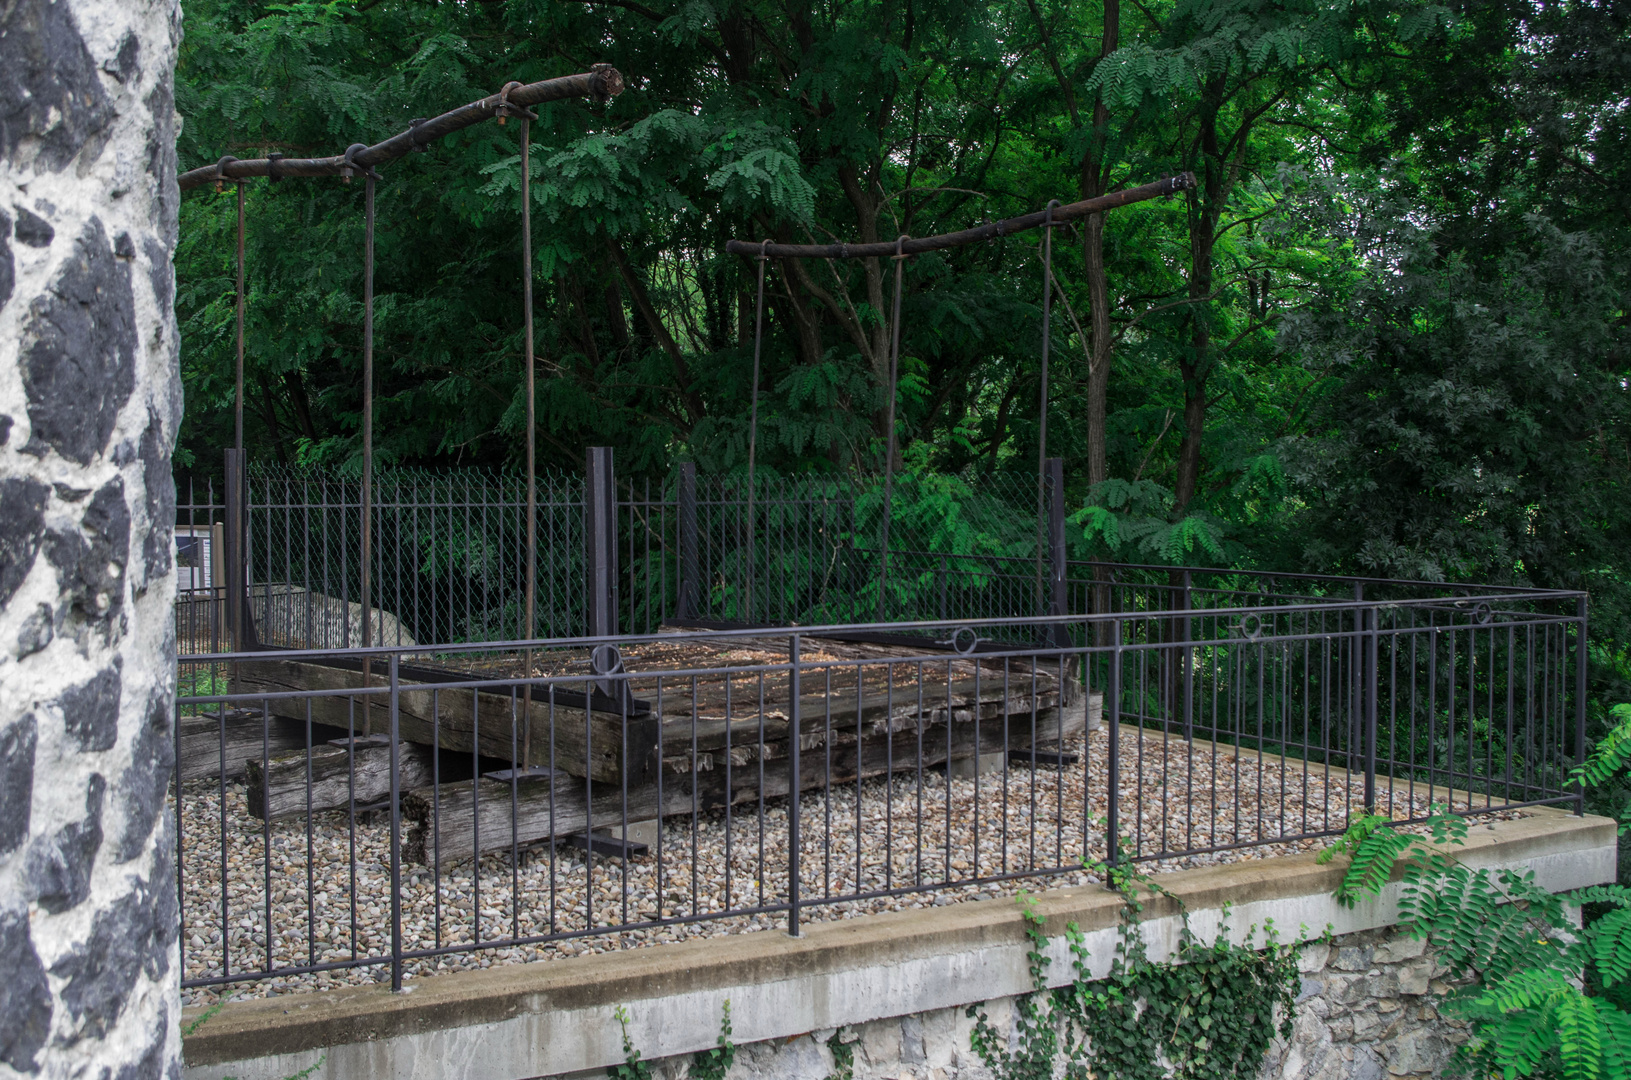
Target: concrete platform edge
556, 1017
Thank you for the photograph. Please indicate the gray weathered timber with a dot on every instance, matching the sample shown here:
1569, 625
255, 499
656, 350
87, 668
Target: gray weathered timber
206, 741
444, 824
467, 720
330, 777
600, 83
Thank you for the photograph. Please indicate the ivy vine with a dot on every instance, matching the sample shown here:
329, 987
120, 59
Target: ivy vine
1210, 1011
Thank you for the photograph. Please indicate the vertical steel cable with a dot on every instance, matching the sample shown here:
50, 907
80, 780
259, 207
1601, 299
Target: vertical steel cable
889, 433
753, 428
238, 392
532, 434
367, 433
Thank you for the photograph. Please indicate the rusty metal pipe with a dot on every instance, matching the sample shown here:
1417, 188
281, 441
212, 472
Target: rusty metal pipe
600, 82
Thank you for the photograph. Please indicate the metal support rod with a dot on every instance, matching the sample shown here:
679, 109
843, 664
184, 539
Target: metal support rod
689, 569
1188, 659
1112, 708
794, 788
1056, 549
600, 538
367, 437
889, 433
1007, 227
238, 374
1356, 691
1581, 662
233, 541
753, 436
1372, 617
530, 631
396, 827
600, 83
1047, 337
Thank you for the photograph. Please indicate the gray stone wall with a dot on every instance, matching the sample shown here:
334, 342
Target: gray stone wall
1367, 1010
89, 403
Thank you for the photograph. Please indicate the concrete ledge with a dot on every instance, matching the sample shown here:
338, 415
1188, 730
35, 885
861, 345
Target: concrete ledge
555, 1017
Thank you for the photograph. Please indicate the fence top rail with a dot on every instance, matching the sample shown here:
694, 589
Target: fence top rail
908, 631
589, 680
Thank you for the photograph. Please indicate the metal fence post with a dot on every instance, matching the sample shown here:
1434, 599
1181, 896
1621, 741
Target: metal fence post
1356, 683
1056, 549
600, 538
234, 543
1112, 696
793, 789
688, 541
1187, 659
941, 587
396, 830
1581, 673
1372, 680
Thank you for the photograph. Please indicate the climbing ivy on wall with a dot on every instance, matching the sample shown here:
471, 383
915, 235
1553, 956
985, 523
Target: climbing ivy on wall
1210, 1011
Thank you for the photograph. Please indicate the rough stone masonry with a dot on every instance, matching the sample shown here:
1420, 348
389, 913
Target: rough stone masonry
89, 403
1367, 1009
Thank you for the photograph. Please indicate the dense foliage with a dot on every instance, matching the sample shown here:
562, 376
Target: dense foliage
1388, 333
1544, 998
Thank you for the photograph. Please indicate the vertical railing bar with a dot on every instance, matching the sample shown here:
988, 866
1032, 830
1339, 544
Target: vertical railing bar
795, 786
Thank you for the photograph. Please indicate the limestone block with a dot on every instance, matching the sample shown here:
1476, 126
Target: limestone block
940, 1037
1415, 978
1313, 957
912, 1050
1353, 958
880, 1043
1419, 1050
1397, 948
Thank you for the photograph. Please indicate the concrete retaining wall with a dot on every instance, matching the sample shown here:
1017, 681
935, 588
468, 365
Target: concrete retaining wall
557, 1017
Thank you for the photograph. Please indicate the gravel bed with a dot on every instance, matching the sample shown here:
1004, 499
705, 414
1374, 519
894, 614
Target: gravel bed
855, 839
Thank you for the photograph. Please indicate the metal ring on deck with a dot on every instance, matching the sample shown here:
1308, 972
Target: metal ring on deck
1250, 626
965, 639
1483, 613
606, 660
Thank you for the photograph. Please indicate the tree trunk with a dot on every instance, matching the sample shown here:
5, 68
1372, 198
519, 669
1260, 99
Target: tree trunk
1095, 179
1206, 205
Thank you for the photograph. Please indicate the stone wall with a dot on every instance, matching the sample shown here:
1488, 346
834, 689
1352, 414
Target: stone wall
1367, 1010
89, 403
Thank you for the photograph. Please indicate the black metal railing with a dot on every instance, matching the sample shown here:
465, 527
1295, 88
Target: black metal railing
399, 809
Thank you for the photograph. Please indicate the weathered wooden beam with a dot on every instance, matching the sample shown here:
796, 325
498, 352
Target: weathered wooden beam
337, 776
445, 824
206, 741
980, 233
601, 82
599, 742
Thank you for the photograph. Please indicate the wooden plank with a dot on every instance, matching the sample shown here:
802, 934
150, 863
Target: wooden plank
708, 785
243, 733
335, 780
586, 742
